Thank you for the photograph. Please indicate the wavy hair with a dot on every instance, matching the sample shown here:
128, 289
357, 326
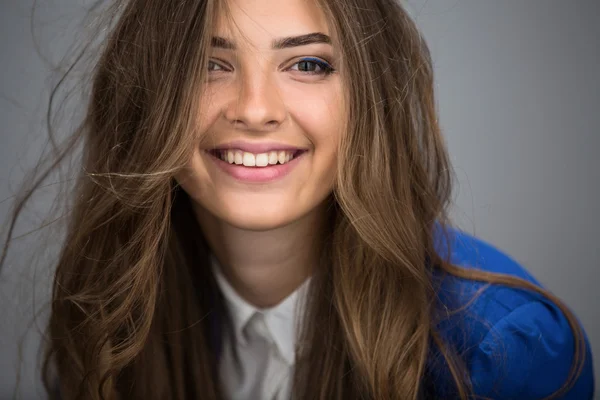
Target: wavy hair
134, 305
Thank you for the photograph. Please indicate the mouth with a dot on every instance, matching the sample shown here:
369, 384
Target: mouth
255, 160
256, 168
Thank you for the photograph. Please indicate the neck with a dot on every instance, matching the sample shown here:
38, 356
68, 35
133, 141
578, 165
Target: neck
265, 267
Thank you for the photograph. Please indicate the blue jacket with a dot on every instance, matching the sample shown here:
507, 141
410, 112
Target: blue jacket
516, 344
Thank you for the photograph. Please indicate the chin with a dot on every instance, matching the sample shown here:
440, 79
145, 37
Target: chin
257, 225
257, 218
257, 212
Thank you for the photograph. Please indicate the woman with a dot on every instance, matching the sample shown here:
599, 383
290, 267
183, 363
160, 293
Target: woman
263, 216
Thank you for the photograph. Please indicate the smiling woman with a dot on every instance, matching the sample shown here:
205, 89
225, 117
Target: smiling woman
263, 215
272, 105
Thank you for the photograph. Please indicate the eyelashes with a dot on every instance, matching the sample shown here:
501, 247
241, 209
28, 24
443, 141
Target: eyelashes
313, 66
305, 66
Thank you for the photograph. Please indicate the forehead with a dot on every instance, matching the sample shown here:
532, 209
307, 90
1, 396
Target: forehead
259, 21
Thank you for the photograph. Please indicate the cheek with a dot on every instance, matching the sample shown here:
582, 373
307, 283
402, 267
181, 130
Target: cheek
194, 177
211, 105
318, 110
321, 119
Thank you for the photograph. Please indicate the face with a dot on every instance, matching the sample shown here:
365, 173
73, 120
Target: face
271, 116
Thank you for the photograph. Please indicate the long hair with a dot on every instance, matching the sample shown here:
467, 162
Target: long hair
134, 305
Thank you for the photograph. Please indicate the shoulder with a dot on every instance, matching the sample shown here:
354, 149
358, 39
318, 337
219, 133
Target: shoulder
515, 343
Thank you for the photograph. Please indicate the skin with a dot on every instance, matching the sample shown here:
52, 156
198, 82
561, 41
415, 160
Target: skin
266, 235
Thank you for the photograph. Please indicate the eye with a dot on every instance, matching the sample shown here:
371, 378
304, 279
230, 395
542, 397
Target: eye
214, 66
312, 66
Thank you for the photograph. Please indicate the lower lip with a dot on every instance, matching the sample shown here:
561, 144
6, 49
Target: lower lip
257, 174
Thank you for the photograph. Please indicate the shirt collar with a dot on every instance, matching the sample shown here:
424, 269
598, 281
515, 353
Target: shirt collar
283, 320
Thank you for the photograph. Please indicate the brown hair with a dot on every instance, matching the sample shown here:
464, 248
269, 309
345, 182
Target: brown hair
134, 302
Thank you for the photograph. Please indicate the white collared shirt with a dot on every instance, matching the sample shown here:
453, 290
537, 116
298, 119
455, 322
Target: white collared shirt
257, 363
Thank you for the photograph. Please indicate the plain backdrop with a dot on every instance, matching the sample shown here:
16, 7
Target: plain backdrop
518, 89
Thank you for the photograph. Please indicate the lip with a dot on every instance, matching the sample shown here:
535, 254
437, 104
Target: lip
245, 174
257, 147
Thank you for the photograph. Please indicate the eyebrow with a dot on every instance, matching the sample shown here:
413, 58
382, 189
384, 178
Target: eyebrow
280, 43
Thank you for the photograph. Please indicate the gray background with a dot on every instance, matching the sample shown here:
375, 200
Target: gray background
518, 86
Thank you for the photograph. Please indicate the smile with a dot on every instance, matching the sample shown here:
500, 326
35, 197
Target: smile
256, 167
239, 157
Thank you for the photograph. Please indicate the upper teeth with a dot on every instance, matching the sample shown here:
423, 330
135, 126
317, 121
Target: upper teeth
255, 160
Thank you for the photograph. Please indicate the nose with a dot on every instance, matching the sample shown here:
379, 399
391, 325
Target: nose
259, 105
